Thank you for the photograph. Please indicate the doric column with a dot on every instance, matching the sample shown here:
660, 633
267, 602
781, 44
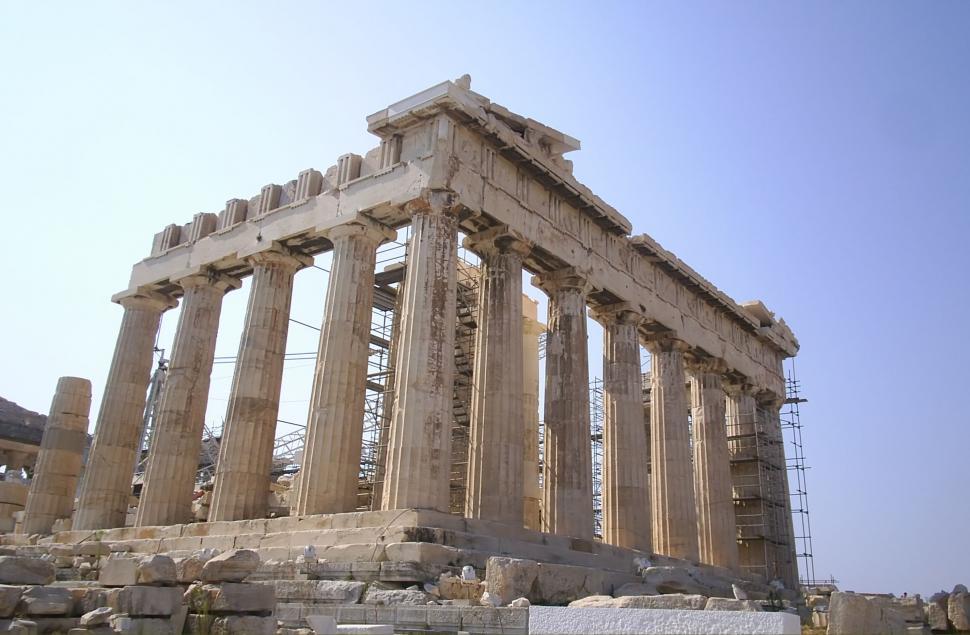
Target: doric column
626, 495
242, 477
106, 485
786, 558
173, 457
531, 493
716, 525
567, 495
331, 455
52, 489
419, 448
495, 453
672, 478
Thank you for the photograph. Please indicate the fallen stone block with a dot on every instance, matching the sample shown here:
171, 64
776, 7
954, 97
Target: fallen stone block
149, 601
393, 597
559, 584
593, 601
230, 625
509, 578
9, 597
127, 625
25, 570
452, 587
728, 604
156, 570
317, 591
680, 580
936, 617
118, 571
322, 624
853, 614
234, 565
40, 600
230, 597
958, 610
97, 617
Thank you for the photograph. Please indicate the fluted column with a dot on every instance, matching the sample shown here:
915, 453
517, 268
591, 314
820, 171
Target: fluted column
495, 453
106, 485
242, 477
419, 448
52, 489
173, 457
531, 492
626, 495
672, 478
567, 495
331, 455
786, 558
716, 525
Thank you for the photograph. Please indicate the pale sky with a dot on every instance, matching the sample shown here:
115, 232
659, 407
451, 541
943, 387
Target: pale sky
815, 156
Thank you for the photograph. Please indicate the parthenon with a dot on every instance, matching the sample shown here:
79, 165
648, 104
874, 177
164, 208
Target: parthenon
449, 163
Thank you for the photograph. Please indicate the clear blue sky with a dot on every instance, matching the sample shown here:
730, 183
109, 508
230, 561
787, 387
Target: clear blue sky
813, 155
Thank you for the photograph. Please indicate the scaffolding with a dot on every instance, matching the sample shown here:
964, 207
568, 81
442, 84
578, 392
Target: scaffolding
791, 425
596, 416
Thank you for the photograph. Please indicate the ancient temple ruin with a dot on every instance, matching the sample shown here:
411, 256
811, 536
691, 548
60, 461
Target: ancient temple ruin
450, 161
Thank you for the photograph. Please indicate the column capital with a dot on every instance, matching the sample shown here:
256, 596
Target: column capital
362, 227
209, 277
736, 386
281, 256
664, 343
434, 202
617, 313
699, 363
767, 399
566, 278
150, 300
498, 240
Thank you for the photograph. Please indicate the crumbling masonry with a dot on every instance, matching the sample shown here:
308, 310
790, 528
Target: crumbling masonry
450, 160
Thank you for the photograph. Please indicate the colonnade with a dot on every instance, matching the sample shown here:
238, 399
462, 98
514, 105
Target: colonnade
683, 508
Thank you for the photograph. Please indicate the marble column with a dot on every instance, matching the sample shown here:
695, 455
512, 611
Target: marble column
786, 558
419, 449
242, 477
495, 454
567, 494
531, 492
672, 477
716, 525
626, 494
331, 457
54, 485
106, 484
173, 457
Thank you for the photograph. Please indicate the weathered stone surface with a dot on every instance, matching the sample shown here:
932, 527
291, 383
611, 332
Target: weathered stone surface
852, 614
958, 610
9, 597
41, 600
126, 625
230, 597
317, 591
391, 597
97, 617
118, 571
677, 601
680, 580
230, 625
728, 604
936, 616
149, 601
188, 569
157, 569
232, 566
452, 587
510, 578
561, 584
25, 570
636, 588
910, 608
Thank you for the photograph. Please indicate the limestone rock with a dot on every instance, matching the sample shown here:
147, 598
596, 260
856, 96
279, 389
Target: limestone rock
188, 569
118, 571
97, 617
41, 600
149, 601
126, 625
232, 566
936, 616
230, 625
317, 591
911, 608
489, 600
392, 597
593, 602
452, 587
157, 569
509, 578
25, 570
230, 597
679, 601
727, 604
682, 580
9, 597
852, 614
322, 624
958, 610
559, 584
